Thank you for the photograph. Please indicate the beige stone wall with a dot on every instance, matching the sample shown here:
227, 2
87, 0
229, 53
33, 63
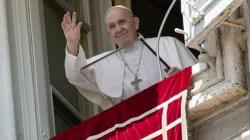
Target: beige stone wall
219, 107
228, 125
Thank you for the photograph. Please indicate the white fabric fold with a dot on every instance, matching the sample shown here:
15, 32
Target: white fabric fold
108, 74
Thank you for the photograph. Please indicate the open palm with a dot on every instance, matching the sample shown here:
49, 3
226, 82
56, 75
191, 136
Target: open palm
70, 29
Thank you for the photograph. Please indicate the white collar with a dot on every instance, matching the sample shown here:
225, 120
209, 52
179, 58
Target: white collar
134, 46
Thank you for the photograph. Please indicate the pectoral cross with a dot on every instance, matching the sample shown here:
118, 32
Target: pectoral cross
136, 82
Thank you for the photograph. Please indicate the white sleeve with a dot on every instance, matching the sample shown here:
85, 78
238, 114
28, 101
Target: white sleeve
73, 65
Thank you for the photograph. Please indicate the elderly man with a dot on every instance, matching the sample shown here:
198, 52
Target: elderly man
113, 79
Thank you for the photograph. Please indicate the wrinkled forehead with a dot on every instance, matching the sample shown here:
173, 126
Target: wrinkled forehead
115, 14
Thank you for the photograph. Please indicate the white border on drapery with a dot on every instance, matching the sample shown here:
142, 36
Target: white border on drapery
159, 132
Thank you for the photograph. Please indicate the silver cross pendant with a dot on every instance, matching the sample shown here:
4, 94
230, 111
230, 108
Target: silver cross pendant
136, 82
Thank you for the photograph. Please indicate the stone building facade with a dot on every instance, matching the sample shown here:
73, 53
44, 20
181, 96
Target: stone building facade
219, 106
218, 103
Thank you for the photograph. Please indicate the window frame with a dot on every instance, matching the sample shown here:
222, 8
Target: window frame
212, 14
86, 28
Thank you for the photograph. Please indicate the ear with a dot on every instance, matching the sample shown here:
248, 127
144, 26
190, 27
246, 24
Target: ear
108, 33
136, 22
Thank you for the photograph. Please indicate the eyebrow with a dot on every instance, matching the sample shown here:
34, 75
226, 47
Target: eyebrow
117, 21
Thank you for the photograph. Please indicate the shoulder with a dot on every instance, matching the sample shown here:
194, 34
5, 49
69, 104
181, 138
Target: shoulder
98, 56
163, 40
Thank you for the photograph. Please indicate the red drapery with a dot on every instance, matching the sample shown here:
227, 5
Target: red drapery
155, 113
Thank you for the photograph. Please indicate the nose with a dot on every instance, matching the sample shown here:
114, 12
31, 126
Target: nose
119, 29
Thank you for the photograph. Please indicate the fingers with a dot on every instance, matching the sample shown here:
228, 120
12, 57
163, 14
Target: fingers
63, 25
74, 19
68, 18
79, 25
170, 72
64, 22
173, 71
65, 18
67, 23
166, 70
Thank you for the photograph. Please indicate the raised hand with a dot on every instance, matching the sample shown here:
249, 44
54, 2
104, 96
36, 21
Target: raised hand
71, 32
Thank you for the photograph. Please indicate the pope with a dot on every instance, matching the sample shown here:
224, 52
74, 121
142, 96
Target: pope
121, 76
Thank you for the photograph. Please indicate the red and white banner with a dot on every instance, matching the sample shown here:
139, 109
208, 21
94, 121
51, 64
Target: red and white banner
156, 113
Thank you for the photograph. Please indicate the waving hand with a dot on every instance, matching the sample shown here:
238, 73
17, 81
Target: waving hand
71, 32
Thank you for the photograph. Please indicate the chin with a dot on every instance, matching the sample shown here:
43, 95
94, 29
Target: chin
123, 41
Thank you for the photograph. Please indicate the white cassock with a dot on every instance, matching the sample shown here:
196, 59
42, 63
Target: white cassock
111, 78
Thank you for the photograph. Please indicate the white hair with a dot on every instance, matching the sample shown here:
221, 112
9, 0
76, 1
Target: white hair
119, 6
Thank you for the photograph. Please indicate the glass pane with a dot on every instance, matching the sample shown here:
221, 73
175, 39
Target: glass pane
93, 72
201, 5
56, 45
64, 118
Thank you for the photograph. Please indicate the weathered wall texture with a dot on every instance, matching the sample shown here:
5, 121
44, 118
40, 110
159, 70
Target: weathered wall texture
219, 107
227, 125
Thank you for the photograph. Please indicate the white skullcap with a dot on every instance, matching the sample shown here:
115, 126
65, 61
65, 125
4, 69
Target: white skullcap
119, 6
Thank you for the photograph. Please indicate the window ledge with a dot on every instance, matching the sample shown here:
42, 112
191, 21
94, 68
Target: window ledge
216, 88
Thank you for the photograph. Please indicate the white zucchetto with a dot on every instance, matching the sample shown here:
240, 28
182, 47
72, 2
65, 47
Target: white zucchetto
119, 6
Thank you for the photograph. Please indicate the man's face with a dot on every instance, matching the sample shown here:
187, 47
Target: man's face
122, 26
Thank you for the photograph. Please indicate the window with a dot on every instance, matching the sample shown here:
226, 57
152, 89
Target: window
64, 118
67, 100
200, 17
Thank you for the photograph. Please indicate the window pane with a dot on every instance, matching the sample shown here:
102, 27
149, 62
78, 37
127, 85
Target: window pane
56, 45
78, 7
64, 118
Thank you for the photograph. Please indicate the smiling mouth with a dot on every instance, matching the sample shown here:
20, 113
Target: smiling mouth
121, 35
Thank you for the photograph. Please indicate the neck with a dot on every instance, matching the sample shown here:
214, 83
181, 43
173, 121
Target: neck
136, 37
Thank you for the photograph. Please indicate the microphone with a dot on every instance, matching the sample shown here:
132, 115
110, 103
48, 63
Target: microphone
159, 35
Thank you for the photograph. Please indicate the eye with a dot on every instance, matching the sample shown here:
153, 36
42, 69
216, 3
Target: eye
111, 26
121, 21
